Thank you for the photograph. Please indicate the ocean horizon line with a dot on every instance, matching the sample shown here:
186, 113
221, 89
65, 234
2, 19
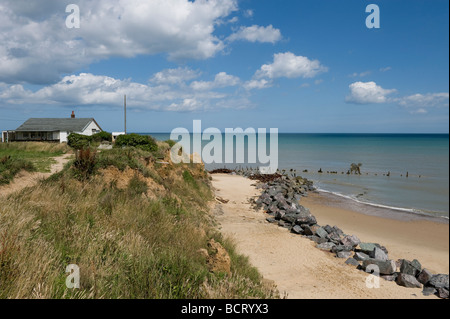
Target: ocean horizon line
346, 134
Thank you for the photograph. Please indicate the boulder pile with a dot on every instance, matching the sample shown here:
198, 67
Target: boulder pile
280, 200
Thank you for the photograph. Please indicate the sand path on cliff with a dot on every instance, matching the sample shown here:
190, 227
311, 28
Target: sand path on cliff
26, 179
298, 268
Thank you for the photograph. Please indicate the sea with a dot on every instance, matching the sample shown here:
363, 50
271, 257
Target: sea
401, 174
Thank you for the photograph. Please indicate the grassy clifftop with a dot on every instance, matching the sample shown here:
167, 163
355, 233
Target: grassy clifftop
32, 157
136, 229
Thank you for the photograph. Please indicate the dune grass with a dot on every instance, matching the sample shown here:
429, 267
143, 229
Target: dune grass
127, 242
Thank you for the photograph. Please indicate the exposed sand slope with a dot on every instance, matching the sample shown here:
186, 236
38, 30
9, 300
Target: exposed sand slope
298, 268
26, 179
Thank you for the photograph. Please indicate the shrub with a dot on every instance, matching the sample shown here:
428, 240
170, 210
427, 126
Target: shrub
85, 163
78, 141
171, 143
143, 142
102, 137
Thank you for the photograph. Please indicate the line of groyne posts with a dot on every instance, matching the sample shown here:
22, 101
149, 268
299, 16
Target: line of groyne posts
293, 172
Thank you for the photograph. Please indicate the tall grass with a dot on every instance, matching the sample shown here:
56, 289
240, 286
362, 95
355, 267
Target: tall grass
10, 167
127, 245
53, 148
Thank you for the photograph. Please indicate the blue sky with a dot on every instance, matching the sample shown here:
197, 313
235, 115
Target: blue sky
299, 66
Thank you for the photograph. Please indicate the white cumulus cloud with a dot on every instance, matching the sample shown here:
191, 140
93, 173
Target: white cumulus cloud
368, 93
425, 100
36, 47
221, 80
371, 93
165, 92
290, 66
257, 84
257, 33
174, 76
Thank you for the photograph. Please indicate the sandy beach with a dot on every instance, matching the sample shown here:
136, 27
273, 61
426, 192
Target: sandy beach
300, 270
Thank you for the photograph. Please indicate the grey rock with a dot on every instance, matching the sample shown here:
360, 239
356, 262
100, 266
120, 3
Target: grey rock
280, 199
428, 291
290, 218
442, 293
273, 191
344, 254
338, 231
352, 262
439, 281
304, 211
424, 276
390, 277
350, 241
408, 281
309, 230
328, 229
412, 268
339, 248
271, 220
367, 248
326, 246
293, 211
297, 230
306, 220
273, 208
279, 214
361, 256
378, 253
334, 237
321, 232
385, 267
317, 239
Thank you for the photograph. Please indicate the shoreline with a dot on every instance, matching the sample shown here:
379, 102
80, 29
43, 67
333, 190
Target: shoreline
300, 270
379, 210
405, 235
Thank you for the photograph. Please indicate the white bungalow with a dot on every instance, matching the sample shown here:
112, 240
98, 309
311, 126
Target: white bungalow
52, 129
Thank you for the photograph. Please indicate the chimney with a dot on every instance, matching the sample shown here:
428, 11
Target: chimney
73, 115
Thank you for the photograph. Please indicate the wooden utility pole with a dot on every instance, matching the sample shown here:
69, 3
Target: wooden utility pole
125, 112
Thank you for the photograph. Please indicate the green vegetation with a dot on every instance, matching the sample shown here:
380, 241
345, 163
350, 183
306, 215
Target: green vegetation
10, 168
171, 143
29, 156
78, 141
133, 227
143, 142
85, 164
102, 137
